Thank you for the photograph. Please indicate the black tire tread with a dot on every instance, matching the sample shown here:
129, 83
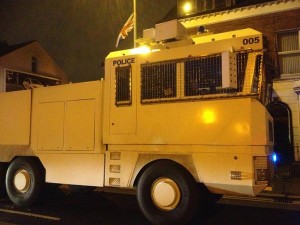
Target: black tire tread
34, 167
188, 186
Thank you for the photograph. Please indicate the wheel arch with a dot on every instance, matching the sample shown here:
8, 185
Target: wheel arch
145, 161
34, 158
141, 171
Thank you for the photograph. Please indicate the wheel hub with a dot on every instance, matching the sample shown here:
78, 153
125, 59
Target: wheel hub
165, 194
22, 180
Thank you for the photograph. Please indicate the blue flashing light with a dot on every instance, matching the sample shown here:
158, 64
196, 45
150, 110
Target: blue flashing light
274, 157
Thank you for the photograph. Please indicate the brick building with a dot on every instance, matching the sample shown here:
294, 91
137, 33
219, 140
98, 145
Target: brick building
279, 22
26, 65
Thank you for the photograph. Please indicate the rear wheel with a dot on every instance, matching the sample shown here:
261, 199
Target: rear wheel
24, 181
167, 193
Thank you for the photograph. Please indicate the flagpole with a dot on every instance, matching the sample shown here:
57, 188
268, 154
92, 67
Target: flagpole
135, 24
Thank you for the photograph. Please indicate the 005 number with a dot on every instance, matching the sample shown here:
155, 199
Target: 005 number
250, 41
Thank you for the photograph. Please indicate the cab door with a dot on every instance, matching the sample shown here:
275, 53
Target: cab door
123, 100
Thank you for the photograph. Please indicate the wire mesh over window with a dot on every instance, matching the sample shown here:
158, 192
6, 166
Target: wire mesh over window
203, 75
257, 73
123, 85
198, 77
241, 59
158, 80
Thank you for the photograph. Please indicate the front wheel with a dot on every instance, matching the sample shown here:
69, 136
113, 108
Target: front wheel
167, 193
24, 180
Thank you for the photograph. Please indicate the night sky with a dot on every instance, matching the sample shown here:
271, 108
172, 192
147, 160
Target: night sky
78, 34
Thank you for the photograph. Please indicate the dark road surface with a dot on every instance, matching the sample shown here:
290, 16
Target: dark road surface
98, 208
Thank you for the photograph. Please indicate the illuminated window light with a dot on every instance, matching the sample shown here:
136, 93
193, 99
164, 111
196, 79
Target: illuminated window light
187, 7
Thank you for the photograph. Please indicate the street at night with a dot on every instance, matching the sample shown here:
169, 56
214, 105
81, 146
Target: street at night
99, 208
146, 112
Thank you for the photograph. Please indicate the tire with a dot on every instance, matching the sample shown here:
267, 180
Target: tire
24, 181
167, 178
3, 170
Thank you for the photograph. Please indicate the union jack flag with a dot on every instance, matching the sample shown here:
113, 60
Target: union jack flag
128, 26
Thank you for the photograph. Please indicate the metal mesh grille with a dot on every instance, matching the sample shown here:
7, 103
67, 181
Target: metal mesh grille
115, 168
241, 59
114, 181
203, 75
257, 72
123, 85
262, 170
158, 80
115, 155
199, 76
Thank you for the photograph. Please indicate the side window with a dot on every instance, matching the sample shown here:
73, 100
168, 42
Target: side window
217, 75
257, 74
159, 81
203, 75
123, 85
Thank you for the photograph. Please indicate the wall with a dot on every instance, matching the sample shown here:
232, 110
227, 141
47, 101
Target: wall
267, 24
21, 59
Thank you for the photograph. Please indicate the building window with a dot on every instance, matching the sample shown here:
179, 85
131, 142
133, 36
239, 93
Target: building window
190, 7
34, 65
206, 5
288, 44
123, 85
